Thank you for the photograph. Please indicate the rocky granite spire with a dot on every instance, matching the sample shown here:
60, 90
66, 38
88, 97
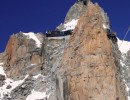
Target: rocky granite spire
88, 70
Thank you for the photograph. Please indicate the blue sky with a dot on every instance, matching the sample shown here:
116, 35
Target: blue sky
42, 15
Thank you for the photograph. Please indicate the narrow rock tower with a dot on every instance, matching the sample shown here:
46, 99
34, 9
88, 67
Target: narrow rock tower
88, 70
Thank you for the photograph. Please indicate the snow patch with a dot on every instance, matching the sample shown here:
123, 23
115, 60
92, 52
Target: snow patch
124, 46
44, 78
127, 88
32, 65
70, 25
34, 37
122, 64
1, 64
13, 84
105, 27
128, 98
2, 72
35, 95
36, 76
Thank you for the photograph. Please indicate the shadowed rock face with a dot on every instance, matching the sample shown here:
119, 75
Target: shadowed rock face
88, 70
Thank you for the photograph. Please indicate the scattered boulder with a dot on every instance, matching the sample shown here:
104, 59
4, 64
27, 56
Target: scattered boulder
9, 87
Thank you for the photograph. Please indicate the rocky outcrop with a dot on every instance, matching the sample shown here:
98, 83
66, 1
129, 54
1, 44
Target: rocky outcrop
22, 55
2, 78
88, 70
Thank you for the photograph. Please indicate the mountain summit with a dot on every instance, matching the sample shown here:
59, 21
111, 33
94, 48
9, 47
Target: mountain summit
80, 60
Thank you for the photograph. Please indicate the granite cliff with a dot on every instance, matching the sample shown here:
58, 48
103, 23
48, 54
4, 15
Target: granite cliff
88, 69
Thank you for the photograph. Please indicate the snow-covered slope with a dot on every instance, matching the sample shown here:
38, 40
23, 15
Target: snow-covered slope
32, 35
35, 95
4, 90
124, 46
70, 25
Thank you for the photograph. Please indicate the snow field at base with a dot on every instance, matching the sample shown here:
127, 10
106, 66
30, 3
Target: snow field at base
35, 95
34, 37
70, 25
13, 84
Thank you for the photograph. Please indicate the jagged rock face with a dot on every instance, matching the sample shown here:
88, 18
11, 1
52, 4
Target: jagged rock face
125, 70
54, 48
75, 11
126, 66
88, 70
73, 14
22, 55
